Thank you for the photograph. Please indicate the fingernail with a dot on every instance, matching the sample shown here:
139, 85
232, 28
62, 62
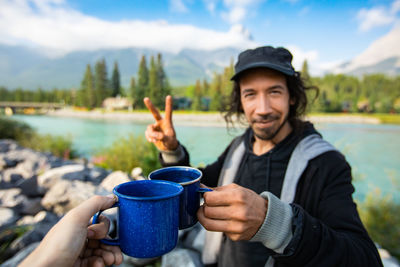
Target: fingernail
113, 197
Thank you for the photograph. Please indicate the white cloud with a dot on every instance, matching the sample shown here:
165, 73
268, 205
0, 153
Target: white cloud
53, 26
211, 5
237, 9
299, 55
378, 16
177, 6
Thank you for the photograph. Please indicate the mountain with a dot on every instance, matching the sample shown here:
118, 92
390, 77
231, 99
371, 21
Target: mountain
30, 69
382, 56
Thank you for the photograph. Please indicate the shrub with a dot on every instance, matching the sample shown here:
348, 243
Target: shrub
59, 146
21, 132
381, 217
16, 130
127, 153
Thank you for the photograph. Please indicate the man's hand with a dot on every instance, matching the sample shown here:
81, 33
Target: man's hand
71, 242
234, 210
162, 132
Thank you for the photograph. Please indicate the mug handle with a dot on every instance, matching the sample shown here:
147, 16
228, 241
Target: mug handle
203, 190
112, 242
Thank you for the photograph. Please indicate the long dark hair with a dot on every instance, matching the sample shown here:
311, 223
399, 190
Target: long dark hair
297, 90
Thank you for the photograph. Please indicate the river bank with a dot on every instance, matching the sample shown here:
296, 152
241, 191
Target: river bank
212, 118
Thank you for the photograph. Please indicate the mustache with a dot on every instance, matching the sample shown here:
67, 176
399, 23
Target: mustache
265, 118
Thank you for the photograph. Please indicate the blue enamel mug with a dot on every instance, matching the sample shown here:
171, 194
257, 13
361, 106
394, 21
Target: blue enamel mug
189, 178
148, 217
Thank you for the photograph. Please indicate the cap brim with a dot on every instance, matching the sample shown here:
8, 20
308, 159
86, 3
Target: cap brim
289, 72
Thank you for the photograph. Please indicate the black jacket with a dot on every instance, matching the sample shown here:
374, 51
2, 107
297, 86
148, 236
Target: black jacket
327, 230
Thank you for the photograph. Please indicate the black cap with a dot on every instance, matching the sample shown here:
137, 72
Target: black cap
279, 59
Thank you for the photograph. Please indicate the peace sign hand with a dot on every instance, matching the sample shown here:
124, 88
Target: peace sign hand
162, 132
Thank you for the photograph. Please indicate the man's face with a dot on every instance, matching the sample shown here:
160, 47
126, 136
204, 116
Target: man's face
265, 100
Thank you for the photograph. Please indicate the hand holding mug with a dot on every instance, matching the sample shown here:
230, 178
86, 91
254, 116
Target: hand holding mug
162, 132
234, 210
71, 242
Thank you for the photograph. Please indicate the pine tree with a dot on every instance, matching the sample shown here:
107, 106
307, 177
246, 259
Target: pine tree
132, 91
86, 96
216, 93
154, 84
162, 78
197, 105
304, 72
115, 81
141, 90
101, 82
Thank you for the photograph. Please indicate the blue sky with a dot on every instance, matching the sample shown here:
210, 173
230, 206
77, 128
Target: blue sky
323, 32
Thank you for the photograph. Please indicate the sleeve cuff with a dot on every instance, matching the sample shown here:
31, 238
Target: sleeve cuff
276, 231
174, 156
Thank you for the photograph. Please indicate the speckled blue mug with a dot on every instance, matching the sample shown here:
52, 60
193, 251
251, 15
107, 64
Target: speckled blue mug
189, 178
148, 217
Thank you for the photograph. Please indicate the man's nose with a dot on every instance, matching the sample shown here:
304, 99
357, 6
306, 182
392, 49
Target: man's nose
263, 105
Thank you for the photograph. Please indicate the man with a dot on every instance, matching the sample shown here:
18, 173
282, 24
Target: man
283, 195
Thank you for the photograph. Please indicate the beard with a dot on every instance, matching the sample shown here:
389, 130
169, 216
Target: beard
268, 133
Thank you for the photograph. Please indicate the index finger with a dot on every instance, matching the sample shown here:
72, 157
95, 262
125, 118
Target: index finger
152, 108
168, 108
90, 207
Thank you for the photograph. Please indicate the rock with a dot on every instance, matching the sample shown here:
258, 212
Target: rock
20, 256
7, 217
12, 198
52, 176
31, 206
29, 187
96, 175
66, 195
26, 220
46, 217
137, 173
181, 257
10, 177
114, 179
139, 262
7, 145
195, 238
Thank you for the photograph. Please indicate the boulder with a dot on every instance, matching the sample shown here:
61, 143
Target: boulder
7, 217
10, 177
181, 257
12, 198
20, 256
7, 145
114, 179
52, 176
31, 206
29, 187
66, 195
137, 173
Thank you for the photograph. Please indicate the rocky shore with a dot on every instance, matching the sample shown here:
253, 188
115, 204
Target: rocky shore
37, 189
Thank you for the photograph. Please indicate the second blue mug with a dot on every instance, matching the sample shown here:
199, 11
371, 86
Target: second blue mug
189, 178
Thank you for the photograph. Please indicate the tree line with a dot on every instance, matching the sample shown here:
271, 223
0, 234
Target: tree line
337, 92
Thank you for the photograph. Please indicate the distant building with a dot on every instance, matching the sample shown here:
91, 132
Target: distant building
113, 103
